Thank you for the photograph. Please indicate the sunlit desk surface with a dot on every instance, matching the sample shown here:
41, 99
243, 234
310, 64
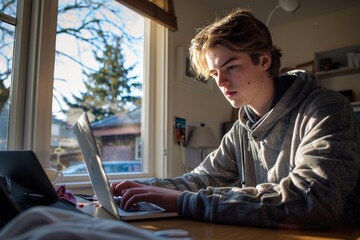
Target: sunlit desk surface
204, 230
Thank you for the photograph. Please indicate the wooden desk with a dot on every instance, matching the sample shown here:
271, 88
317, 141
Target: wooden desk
204, 230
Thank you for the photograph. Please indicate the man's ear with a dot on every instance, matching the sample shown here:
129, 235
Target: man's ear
265, 60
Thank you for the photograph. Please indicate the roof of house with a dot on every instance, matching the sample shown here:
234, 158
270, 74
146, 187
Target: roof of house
121, 119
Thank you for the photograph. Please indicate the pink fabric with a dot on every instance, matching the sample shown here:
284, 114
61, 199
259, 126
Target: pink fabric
65, 194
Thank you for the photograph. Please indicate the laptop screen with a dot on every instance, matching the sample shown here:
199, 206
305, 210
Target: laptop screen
94, 165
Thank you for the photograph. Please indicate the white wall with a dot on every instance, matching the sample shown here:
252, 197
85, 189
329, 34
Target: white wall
299, 41
185, 101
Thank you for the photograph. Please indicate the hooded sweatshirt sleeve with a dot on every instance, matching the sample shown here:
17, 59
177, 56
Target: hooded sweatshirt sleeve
218, 169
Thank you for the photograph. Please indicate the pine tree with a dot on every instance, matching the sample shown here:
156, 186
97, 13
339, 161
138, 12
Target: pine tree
108, 90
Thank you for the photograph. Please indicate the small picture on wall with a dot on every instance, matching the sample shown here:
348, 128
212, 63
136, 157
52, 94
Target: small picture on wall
186, 75
180, 131
189, 72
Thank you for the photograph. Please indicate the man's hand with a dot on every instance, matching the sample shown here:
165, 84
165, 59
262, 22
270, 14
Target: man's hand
133, 192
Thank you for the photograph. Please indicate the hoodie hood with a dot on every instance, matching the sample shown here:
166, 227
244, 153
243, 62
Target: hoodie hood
304, 84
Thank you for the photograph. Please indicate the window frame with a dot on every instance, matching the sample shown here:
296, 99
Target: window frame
34, 67
19, 73
138, 148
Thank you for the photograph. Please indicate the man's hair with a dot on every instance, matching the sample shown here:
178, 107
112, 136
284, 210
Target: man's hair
238, 31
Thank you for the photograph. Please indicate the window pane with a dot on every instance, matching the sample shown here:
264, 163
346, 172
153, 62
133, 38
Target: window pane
99, 69
7, 38
8, 7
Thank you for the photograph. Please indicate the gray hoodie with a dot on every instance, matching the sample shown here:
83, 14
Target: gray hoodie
297, 167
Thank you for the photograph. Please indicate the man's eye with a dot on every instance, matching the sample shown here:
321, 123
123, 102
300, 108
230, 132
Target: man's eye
229, 68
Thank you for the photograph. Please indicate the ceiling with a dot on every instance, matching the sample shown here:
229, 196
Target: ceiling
262, 8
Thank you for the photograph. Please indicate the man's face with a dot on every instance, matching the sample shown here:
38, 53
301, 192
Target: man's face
241, 82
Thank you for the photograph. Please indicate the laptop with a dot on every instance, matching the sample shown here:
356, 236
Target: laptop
8, 209
99, 179
26, 183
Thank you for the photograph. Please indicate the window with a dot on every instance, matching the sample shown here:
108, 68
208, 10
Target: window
98, 69
35, 77
7, 39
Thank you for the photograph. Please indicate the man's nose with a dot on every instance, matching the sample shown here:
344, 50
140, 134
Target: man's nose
222, 79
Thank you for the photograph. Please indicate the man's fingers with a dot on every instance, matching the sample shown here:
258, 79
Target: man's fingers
118, 189
165, 198
136, 198
132, 196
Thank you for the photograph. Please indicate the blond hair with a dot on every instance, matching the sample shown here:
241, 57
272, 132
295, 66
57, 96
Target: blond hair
238, 31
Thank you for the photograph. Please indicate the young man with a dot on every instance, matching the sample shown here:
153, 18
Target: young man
292, 159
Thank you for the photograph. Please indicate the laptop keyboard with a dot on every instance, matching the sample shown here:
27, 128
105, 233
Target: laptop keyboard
141, 206
145, 207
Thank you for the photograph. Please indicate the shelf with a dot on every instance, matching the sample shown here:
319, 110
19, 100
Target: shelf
337, 72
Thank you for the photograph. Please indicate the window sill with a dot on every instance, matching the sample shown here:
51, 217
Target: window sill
74, 184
